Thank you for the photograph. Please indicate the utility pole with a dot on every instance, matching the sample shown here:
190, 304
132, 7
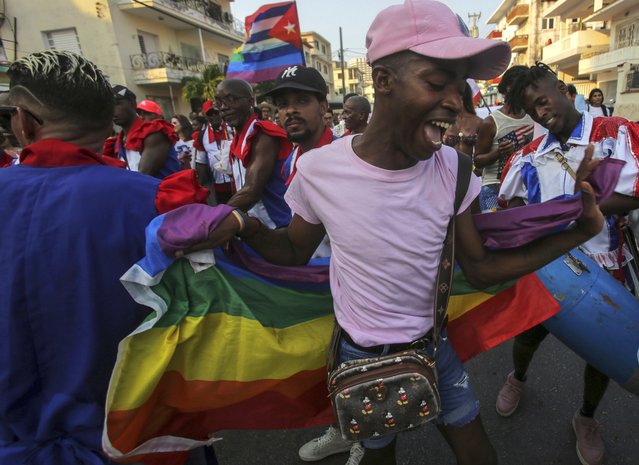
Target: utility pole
474, 30
341, 56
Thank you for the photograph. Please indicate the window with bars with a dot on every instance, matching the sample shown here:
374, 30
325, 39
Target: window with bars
63, 39
632, 79
627, 35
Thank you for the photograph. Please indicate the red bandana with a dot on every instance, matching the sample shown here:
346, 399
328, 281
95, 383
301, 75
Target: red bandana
268, 128
219, 134
327, 138
54, 153
140, 130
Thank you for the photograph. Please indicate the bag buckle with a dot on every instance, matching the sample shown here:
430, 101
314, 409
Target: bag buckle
420, 344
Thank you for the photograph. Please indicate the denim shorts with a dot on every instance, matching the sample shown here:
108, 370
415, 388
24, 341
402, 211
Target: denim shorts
458, 401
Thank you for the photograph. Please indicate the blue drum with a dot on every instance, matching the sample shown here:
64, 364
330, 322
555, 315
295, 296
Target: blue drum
599, 318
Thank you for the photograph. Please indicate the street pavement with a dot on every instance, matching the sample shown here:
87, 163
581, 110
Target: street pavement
538, 433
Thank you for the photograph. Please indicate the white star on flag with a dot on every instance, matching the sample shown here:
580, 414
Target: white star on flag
290, 28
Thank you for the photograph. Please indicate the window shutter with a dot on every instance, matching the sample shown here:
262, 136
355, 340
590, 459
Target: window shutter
64, 39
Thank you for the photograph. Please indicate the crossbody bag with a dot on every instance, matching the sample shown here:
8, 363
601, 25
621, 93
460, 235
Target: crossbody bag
395, 392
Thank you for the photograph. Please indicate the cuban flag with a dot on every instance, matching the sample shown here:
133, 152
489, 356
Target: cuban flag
273, 42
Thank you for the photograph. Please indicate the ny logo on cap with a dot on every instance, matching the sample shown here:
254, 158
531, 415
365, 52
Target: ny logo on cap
288, 72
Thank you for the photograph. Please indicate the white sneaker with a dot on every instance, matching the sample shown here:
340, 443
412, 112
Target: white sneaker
357, 454
329, 443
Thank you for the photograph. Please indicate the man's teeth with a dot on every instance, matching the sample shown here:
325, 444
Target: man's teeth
441, 124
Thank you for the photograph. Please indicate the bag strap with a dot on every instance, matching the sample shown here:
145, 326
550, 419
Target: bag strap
444, 280
464, 170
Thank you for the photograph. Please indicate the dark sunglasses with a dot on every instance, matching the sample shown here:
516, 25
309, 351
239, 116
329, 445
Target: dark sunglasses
229, 99
7, 111
212, 112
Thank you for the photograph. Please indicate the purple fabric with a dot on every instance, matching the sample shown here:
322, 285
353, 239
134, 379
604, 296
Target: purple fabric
293, 274
192, 224
189, 225
517, 226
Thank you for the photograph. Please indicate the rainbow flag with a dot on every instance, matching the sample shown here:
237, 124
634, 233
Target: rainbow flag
273, 42
242, 344
234, 342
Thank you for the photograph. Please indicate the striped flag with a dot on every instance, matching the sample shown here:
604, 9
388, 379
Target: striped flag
475, 91
273, 42
520, 136
242, 344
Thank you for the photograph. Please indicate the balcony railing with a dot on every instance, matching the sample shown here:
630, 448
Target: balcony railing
196, 11
627, 36
519, 42
569, 49
211, 10
517, 14
154, 60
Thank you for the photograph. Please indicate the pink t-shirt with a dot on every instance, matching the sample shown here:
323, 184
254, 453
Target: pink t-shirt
386, 230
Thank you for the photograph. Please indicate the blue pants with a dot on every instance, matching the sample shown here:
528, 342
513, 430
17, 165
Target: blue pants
458, 401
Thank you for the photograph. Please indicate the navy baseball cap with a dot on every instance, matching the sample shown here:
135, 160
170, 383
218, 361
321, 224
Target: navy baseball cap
300, 77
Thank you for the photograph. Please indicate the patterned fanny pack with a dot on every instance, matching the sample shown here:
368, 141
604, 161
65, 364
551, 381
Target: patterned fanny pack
382, 395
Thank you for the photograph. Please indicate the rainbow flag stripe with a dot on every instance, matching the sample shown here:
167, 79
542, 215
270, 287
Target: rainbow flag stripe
242, 344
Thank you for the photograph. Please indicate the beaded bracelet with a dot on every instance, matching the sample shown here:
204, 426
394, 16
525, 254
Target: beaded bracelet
240, 220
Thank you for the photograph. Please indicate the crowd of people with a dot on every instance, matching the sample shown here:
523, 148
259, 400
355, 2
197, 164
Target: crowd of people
367, 189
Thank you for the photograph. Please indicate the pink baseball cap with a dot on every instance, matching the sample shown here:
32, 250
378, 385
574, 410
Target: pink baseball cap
150, 107
431, 29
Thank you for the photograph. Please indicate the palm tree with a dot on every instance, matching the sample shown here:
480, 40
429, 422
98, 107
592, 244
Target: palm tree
202, 88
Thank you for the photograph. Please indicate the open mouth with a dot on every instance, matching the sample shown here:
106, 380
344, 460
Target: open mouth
435, 130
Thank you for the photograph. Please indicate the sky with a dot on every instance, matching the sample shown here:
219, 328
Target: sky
355, 16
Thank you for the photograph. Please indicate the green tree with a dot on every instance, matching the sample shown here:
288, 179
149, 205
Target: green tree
202, 88
262, 88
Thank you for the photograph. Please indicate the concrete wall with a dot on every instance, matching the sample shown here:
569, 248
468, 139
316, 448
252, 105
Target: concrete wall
627, 100
37, 16
108, 36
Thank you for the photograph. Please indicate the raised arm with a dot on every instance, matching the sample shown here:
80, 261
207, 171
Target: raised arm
293, 245
484, 267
